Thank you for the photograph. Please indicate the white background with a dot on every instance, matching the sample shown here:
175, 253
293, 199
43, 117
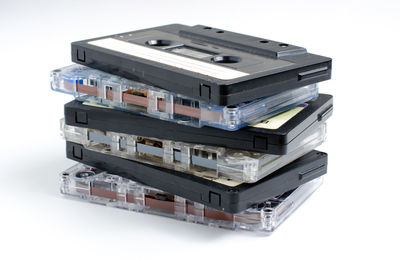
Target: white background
353, 217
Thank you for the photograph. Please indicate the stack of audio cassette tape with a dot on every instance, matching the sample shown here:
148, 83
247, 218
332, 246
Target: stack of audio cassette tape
195, 123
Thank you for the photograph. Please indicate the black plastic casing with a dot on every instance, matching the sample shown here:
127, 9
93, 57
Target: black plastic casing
279, 142
304, 68
207, 192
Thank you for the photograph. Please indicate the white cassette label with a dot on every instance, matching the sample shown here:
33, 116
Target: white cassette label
164, 57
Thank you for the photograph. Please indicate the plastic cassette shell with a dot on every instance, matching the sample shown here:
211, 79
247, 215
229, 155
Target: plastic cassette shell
200, 160
89, 184
216, 195
272, 67
117, 92
279, 141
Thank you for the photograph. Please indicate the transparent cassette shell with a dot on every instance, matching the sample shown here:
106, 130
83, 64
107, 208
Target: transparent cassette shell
218, 163
92, 185
94, 86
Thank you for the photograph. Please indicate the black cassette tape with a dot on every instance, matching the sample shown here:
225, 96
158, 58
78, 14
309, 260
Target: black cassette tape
212, 65
278, 135
227, 197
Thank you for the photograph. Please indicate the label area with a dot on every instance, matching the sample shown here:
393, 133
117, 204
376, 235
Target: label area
278, 120
169, 58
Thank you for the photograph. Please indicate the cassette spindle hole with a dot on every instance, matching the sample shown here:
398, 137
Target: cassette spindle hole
264, 41
220, 31
158, 43
268, 210
225, 59
84, 174
207, 28
284, 45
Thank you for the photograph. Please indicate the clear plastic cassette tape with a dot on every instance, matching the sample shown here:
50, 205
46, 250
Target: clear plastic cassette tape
224, 165
92, 185
94, 86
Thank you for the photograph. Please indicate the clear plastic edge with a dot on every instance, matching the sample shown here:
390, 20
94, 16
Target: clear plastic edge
227, 166
100, 88
89, 184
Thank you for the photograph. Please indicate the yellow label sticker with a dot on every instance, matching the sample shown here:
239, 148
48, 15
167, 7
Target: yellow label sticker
94, 104
278, 120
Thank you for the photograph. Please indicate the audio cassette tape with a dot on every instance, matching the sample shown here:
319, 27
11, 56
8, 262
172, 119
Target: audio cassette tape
92, 185
200, 160
278, 135
221, 194
213, 65
90, 85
